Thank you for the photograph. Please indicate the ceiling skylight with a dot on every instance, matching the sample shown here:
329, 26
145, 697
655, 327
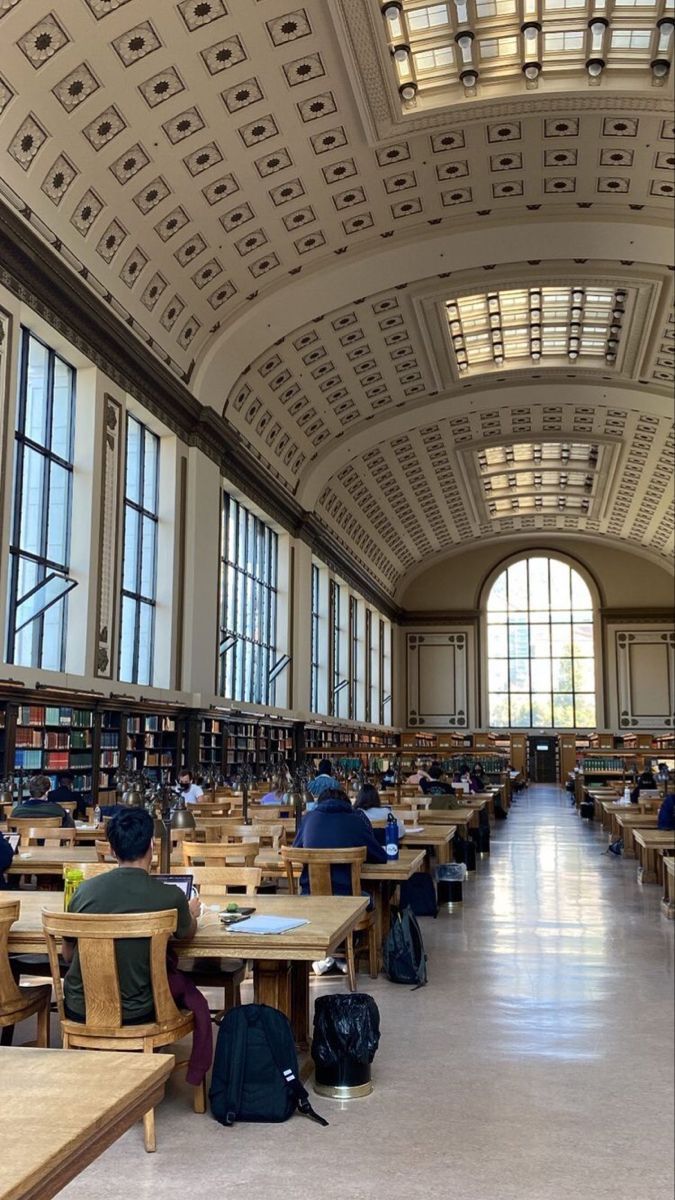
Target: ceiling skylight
468, 44
515, 326
539, 477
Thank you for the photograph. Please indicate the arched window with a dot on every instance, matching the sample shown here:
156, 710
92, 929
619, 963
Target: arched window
541, 668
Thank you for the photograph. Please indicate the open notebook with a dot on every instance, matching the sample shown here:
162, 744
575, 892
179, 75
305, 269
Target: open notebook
263, 924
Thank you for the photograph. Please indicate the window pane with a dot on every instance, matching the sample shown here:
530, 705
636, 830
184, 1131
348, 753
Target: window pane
61, 410
497, 597
540, 641
130, 572
518, 585
519, 641
542, 712
583, 640
520, 711
519, 675
585, 709
53, 633
32, 491
148, 557
539, 598
133, 475
146, 615
35, 425
127, 638
563, 710
562, 674
540, 671
499, 709
150, 464
59, 513
497, 644
581, 597
560, 584
498, 674
584, 674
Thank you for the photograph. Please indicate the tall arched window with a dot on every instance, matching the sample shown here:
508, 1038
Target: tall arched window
541, 668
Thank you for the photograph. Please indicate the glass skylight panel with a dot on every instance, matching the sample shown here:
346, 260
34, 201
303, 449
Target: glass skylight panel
503, 47
432, 16
494, 8
565, 41
521, 324
433, 60
631, 39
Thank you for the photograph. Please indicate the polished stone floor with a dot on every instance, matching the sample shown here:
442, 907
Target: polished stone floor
536, 1065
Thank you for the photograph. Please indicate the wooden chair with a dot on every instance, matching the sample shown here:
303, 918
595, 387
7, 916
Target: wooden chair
21, 824
47, 834
268, 834
103, 1029
18, 1003
319, 863
220, 854
217, 883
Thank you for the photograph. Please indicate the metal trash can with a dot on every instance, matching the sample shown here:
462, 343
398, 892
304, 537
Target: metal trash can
450, 882
346, 1037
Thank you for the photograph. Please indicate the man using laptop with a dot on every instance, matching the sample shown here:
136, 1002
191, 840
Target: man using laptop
130, 888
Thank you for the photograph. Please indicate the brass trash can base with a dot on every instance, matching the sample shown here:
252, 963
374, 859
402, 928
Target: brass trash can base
336, 1092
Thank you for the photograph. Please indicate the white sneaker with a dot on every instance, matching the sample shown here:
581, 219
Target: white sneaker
341, 964
322, 965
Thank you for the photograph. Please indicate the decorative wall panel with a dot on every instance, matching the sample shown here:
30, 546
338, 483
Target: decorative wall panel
646, 679
438, 679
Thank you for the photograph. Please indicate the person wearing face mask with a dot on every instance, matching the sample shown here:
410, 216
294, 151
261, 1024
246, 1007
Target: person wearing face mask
186, 787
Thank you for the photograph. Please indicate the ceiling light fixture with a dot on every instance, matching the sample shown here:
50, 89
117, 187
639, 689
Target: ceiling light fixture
408, 91
595, 67
464, 39
598, 26
530, 29
666, 26
660, 68
392, 11
531, 70
401, 52
469, 79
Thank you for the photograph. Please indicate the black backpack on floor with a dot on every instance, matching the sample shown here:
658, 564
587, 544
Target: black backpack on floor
419, 894
403, 950
255, 1068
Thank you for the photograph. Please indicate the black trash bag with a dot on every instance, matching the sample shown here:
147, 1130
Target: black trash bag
346, 1026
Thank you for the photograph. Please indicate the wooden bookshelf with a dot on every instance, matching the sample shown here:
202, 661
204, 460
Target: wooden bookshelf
54, 738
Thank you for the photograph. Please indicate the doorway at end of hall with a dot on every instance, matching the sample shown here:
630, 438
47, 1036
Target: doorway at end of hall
542, 759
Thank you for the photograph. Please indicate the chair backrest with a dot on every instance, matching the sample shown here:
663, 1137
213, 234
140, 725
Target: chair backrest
47, 834
9, 989
272, 833
19, 824
103, 852
89, 870
319, 863
96, 935
270, 812
220, 854
221, 879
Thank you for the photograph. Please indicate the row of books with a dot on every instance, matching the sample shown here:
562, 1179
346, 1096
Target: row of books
36, 714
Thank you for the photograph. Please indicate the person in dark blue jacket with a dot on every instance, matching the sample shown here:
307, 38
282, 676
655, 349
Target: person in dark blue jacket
666, 817
6, 856
335, 825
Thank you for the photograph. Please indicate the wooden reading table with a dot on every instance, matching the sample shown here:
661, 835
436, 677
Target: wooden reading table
650, 846
66, 1108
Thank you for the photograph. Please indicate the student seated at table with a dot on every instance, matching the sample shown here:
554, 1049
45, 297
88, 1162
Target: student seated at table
37, 804
6, 856
324, 779
476, 778
442, 794
334, 825
276, 795
64, 792
645, 783
132, 889
187, 789
417, 776
666, 817
369, 803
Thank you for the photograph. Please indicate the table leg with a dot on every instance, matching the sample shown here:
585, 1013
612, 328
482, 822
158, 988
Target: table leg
272, 984
299, 1015
628, 843
443, 853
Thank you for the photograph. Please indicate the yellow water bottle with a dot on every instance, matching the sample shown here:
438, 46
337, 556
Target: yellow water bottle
73, 877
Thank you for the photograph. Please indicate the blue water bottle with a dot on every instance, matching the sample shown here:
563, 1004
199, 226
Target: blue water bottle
391, 837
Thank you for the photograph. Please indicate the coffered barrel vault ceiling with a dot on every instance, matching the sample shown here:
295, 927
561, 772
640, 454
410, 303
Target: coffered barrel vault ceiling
241, 183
